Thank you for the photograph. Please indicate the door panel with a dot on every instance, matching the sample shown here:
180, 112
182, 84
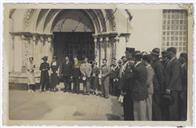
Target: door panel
72, 44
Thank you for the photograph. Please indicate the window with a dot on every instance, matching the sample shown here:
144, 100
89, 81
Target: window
175, 29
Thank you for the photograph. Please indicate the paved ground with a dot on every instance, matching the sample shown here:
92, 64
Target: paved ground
24, 105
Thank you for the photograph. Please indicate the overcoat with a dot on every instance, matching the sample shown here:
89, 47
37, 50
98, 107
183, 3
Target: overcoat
140, 90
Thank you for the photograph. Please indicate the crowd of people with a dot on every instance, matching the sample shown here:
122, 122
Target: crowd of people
151, 86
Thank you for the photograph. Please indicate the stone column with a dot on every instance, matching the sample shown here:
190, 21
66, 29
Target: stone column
40, 49
96, 50
36, 51
108, 50
102, 49
49, 48
119, 48
17, 54
113, 41
12, 53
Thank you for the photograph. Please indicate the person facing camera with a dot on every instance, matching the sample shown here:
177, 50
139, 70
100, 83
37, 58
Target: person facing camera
44, 79
86, 70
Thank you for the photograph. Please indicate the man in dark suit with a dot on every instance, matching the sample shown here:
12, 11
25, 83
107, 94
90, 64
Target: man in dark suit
126, 87
183, 98
173, 84
158, 83
66, 72
140, 89
114, 78
164, 58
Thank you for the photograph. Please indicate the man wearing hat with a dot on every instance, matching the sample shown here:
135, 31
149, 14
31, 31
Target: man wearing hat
139, 89
158, 83
127, 84
66, 72
44, 79
173, 83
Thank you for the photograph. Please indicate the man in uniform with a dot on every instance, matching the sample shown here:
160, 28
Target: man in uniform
127, 84
173, 84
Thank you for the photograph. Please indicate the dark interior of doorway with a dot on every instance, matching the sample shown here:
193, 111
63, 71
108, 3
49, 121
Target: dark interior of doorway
72, 44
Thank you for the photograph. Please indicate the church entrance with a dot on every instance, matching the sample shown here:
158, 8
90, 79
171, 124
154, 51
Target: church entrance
72, 44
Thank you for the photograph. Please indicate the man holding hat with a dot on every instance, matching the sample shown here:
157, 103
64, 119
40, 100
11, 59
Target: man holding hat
173, 83
158, 83
44, 79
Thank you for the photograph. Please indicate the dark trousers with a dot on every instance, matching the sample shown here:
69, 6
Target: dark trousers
86, 85
76, 85
67, 84
45, 84
32, 87
128, 107
174, 108
156, 107
183, 107
94, 83
115, 87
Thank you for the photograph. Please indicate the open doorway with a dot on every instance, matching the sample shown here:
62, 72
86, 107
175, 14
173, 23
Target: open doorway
72, 44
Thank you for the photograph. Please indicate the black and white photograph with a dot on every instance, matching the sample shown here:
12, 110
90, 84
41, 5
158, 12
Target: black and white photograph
120, 63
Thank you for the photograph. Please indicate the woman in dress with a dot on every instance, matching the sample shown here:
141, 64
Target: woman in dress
54, 79
30, 74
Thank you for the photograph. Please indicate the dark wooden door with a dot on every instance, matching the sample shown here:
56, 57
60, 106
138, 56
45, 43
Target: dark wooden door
72, 44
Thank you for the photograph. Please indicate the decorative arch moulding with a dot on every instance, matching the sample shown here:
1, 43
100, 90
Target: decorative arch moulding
111, 34
35, 36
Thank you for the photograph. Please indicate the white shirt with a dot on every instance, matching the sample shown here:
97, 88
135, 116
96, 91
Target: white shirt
138, 63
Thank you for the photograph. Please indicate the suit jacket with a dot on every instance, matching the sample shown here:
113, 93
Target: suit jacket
184, 76
86, 69
140, 90
66, 69
159, 77
114, 71
105, 71
127, 78
76, 71
173, 76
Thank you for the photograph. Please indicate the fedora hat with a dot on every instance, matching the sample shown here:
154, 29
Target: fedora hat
155, 51
45, 58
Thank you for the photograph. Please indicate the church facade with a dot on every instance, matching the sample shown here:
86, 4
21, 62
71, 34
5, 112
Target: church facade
95, 33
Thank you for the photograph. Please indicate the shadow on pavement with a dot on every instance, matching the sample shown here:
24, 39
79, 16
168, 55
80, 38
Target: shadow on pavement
116, 109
